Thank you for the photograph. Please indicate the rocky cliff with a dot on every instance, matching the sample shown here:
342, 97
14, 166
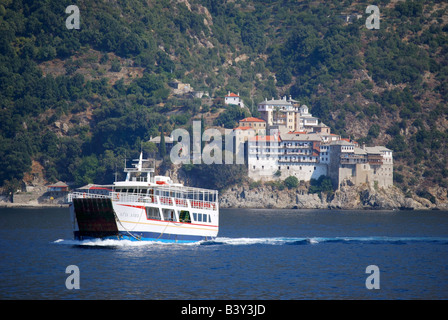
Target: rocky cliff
347, 197
268, 195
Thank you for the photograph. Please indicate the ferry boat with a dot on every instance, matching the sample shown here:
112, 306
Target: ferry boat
145, 207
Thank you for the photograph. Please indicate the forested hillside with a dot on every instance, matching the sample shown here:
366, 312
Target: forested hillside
74, 102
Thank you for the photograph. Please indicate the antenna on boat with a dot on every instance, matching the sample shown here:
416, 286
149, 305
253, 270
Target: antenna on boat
140, 161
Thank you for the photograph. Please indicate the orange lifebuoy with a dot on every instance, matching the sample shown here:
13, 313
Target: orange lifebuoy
117, 196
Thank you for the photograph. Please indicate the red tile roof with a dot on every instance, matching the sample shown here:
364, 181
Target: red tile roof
232, 95
242, 128
252, 119
265, 138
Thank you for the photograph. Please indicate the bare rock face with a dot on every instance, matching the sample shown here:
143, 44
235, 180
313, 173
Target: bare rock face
347, 197
310, 201
267, 197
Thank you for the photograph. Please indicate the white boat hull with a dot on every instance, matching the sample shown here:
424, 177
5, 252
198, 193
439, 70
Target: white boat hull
108, 219
145, 207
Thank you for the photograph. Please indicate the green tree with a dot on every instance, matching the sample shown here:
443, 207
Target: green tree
374, 131
162, 145
292, 182
86, 170
230, 117
115, 66
215, 176
322, 184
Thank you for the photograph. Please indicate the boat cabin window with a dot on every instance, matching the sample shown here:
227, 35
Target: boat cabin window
168, 215
141, 191
201, 217
184, 216
152, 213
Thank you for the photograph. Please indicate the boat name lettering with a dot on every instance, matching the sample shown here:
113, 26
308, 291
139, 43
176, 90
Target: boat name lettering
129, 215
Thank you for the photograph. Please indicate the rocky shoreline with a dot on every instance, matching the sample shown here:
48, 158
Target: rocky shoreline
268, 197
346, 198
31, 205
33, 199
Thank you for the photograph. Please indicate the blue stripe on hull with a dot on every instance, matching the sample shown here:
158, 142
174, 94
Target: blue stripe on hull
147, 236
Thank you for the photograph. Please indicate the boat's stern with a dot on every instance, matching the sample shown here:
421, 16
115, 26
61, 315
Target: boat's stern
93, 218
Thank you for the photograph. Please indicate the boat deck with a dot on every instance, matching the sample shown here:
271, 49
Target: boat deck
171, 196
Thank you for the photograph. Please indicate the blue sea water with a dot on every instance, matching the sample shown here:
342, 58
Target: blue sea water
259, 254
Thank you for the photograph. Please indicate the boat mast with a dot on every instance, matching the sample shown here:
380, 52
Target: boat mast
138, 169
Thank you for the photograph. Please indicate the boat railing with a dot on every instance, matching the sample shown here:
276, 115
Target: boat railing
147, 198
163, 200
207, 205
85, 195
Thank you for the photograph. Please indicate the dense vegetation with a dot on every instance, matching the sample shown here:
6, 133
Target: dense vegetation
215, 175
386, 86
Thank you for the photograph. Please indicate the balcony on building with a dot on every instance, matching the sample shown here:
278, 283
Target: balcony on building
352, 158
375, 159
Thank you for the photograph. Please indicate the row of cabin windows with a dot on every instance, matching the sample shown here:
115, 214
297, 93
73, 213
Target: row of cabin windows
142, 191
169, 215
199, 196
